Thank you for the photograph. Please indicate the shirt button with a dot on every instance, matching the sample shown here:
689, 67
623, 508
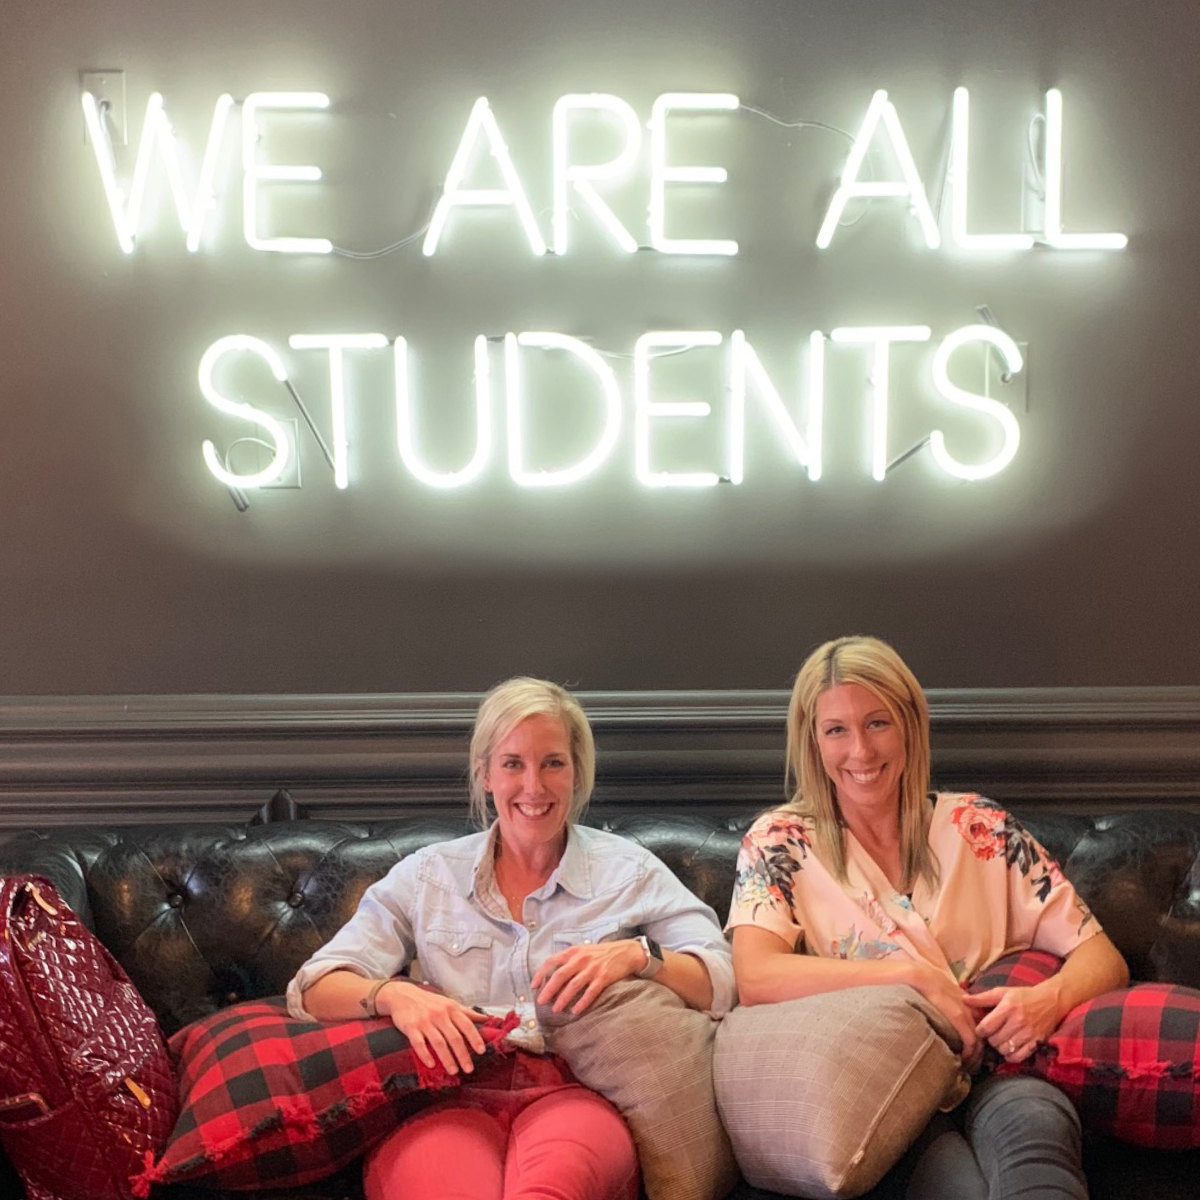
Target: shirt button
532, 1024
532, 924
453, 945
587, 941
520, 999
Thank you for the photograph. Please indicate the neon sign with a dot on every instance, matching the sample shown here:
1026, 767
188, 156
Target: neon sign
483, 130
880, 110
747, 378
580, 187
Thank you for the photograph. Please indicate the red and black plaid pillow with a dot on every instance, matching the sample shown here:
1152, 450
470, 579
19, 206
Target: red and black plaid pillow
1129, 1060
1020, 968
270, 1101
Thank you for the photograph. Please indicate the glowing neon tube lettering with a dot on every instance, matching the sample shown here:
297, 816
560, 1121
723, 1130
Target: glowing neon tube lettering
193, 211
516, 404
406, 422
337, 344
880, 111
455, 195
256, 172
662, 173
281, 447
646, 408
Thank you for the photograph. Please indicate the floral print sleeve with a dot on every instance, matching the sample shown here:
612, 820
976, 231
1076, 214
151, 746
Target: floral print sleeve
773, 854
1044, 910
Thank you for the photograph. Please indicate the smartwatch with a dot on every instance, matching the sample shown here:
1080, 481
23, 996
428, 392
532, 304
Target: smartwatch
654, 957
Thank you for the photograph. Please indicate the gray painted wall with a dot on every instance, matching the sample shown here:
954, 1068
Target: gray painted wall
125, 568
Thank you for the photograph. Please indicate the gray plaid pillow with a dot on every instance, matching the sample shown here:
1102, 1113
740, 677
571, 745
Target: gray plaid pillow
650, 1056
822, 1096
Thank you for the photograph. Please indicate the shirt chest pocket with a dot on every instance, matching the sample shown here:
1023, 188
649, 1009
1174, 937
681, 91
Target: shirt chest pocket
586, 935
459, 961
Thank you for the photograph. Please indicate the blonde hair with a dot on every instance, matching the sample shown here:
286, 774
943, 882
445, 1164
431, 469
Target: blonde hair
876, 666
505, 707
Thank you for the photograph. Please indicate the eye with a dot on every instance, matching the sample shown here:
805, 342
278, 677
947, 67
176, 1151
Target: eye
880, 723
511, 764
831, 730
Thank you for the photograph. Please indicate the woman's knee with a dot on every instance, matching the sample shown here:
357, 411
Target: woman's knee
574, 1143
1027, 1140
449, 1152
1017, 1106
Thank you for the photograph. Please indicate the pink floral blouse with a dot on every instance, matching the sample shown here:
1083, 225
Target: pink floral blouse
999, 891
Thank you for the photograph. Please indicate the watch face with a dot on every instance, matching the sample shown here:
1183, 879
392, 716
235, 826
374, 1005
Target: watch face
654, 957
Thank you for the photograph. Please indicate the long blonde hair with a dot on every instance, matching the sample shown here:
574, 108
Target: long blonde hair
876, 666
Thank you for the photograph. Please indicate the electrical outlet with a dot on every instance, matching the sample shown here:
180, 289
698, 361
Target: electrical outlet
109, 89
1010, 389
248, 455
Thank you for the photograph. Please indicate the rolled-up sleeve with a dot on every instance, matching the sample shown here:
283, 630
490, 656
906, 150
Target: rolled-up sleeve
376, 942
679, 920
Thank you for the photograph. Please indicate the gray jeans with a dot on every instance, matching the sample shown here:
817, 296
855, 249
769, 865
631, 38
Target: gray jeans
1014, 1138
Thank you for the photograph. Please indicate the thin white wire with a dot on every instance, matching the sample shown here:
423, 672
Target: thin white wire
1034, 166
365, 254
762, 112
660, 354
404, 241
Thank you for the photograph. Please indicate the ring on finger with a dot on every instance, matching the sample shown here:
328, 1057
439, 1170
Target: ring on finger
1010, 1046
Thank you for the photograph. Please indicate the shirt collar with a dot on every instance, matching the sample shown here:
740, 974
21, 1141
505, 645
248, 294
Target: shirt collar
573, 873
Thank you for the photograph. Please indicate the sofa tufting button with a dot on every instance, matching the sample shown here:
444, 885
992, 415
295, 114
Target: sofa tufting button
232, 997
175, 900
296, 899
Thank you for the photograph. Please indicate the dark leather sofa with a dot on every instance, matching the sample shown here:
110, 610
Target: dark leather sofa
206, 915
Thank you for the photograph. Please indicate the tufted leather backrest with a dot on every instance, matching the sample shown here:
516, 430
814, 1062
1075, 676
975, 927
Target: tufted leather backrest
202, 916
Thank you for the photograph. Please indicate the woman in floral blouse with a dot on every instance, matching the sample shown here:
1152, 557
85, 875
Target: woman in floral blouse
865, 878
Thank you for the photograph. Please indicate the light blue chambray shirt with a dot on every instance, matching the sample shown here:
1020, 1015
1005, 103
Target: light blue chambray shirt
442, 906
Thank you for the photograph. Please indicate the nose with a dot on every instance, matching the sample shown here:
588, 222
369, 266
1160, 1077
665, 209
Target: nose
533, 780
860, 747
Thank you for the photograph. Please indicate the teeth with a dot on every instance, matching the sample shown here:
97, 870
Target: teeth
865, 776
534, 810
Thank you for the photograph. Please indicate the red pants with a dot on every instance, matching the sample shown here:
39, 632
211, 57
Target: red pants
521, 1131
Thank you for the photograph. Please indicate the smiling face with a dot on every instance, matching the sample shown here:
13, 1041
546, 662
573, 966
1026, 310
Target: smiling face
531, 777
862, 749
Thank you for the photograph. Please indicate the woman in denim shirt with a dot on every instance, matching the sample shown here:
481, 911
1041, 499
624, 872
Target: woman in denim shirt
536, 915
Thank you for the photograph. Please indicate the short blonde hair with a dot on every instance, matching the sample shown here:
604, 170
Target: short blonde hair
504, 708
876, 666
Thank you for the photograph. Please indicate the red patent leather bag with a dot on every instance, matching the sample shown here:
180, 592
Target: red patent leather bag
86, 1087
